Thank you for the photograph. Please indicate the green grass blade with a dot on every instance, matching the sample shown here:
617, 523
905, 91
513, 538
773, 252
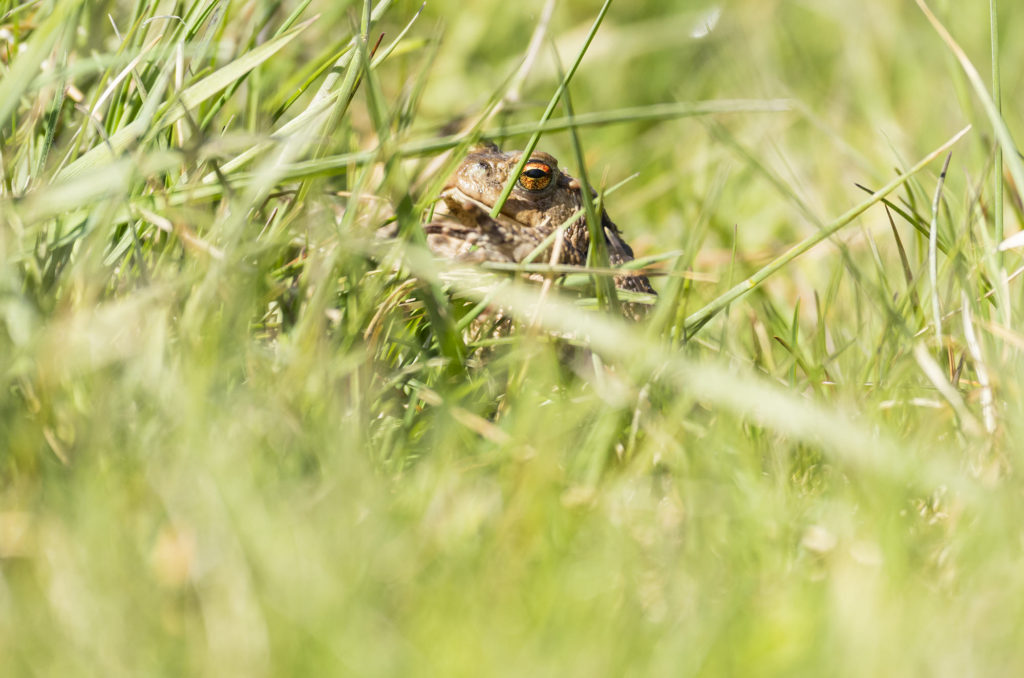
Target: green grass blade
25, 69
555, 98
698, 319
190, 98
997, 103
1002, 132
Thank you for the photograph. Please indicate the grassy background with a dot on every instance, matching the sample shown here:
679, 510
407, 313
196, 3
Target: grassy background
238, 435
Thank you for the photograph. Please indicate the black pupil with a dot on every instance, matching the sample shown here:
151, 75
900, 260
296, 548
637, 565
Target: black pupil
535, 173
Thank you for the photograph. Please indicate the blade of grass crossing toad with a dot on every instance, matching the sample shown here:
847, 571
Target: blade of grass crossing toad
598, 252
846, 439
556, 97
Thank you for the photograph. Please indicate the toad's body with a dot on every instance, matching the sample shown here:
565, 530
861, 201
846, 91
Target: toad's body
544, 198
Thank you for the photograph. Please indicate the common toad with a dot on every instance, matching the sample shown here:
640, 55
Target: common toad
544, 198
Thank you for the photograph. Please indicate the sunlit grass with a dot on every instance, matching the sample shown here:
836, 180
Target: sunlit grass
240, 433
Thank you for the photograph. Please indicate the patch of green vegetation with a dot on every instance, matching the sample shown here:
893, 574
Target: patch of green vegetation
242, 434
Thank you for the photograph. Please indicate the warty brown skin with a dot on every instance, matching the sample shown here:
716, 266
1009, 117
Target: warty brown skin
543, 199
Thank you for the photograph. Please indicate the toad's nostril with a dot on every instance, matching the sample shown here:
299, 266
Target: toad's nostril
479, 170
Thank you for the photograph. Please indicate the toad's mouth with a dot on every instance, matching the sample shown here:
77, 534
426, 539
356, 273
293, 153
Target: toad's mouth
455, 198
470, 211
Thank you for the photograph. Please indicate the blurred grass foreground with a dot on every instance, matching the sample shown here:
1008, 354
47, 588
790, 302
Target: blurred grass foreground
241, 435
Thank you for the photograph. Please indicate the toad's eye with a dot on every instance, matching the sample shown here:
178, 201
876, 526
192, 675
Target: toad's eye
536, 176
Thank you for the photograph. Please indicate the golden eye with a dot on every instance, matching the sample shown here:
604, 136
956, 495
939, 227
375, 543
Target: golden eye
536, 176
